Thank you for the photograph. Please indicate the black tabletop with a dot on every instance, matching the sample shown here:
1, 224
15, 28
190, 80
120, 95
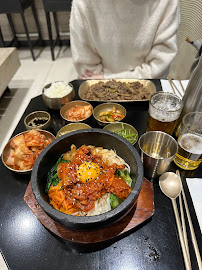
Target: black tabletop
27, 244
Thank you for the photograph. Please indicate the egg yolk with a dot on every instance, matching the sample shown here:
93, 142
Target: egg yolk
88, 171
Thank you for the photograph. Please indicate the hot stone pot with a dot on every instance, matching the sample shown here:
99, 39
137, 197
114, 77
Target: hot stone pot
98, 138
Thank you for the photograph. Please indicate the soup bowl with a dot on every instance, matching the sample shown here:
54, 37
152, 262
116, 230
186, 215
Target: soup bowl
99, 138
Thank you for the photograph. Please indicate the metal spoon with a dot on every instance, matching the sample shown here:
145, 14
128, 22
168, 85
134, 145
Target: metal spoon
171, 186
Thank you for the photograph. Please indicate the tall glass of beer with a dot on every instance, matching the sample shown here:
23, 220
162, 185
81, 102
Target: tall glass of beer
189, 154
164, 110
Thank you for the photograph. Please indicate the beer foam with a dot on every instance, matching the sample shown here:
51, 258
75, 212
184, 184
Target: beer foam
191, 143
165, 111
168, 105
163, 116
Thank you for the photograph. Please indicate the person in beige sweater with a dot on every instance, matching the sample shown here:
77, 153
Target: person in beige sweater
123, 38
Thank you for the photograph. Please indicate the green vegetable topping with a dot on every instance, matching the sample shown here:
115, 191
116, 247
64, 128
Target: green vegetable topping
53, 175
131, 137
125, 176
114, 201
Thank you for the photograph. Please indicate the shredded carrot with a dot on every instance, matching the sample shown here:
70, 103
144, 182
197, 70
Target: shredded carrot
58, 201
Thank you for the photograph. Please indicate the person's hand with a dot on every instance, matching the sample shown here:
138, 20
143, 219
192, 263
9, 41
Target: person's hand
90, 75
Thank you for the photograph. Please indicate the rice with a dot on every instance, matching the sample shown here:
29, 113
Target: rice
58, 90
109, 156
102, 205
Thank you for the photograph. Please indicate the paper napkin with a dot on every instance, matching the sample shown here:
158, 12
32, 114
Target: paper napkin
195, 187
167, 87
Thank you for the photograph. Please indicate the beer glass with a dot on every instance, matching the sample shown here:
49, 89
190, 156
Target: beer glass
164, 110
189, 154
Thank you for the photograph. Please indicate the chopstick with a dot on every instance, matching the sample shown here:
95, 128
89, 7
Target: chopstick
180, 233
172, 84
194, 241
178, 78
184, 227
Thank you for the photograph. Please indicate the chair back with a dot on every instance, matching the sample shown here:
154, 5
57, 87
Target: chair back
10, 6
57, 5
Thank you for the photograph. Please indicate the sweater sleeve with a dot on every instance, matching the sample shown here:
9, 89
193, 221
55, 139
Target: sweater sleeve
84, 53
163, 51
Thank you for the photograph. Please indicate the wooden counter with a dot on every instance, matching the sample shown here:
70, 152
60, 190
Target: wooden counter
9, 64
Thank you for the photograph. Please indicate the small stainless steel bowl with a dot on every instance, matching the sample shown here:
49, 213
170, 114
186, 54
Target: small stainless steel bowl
71, 127
107, 107
72, 104
7, 149
34, 120
118, 126
57, 103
